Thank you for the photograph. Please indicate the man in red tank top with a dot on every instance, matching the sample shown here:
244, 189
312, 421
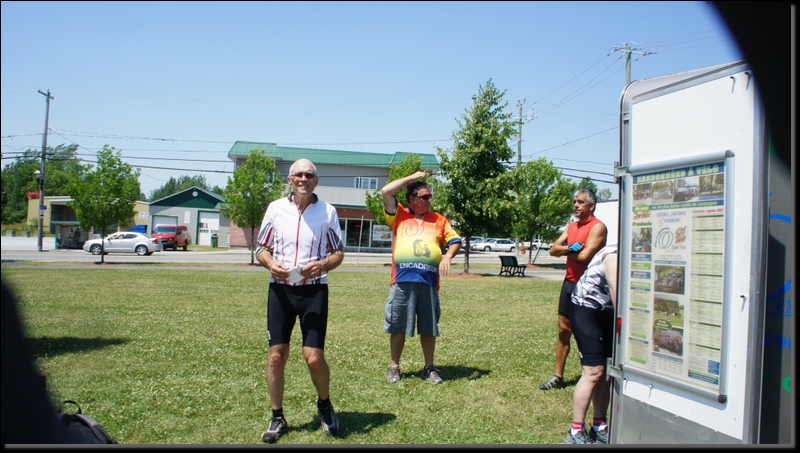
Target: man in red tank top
579, 242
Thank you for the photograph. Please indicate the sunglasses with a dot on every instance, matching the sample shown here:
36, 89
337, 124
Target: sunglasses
426, 197
308, 175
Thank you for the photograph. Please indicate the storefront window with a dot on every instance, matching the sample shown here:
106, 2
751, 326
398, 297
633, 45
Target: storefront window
356, 232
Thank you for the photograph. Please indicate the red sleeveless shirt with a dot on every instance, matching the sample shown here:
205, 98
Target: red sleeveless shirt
579, 233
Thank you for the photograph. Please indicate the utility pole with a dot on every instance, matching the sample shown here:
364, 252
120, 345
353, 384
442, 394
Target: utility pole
628, 51
41, 176
519, 142
522, 119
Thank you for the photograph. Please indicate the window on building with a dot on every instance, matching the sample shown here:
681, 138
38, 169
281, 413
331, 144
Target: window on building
366, 183
356, 232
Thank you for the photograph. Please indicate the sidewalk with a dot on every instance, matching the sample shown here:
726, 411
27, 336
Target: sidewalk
26, 243
17, 243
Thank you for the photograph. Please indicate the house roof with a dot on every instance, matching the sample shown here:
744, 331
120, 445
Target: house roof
187, 198
326, 156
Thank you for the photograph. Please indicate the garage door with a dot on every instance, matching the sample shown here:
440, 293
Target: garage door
163, 220
209, 224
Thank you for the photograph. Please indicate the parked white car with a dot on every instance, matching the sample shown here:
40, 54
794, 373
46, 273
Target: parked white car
494, 245
124, 242
500, 245
538, 244
478, 244
472, 240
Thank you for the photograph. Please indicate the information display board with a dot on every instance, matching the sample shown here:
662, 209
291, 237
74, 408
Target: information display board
676, 284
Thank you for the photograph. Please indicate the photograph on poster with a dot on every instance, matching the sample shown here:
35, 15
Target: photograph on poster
670, 279
642, 239
641, 192
668, 342
712, 186
668, 325
686, 189
662, 191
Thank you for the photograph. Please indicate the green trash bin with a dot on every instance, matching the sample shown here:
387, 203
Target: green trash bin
58, 243
214, 240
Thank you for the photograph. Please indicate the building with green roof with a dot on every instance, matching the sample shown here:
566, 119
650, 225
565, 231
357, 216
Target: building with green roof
345, 177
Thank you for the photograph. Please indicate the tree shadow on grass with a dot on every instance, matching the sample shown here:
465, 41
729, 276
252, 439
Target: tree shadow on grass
49, 346
350, 423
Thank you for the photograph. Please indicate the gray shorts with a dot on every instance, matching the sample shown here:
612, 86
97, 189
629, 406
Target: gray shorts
412, 303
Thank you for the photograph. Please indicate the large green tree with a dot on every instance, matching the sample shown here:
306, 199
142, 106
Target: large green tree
543, 201
105, 195
17, 181
253, 186
410, 165
603, 194
472, 189
18, 178
173, 186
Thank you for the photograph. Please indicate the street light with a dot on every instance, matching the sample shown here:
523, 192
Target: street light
40, 178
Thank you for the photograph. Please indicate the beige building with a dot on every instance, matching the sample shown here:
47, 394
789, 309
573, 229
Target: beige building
60, 219
345, 178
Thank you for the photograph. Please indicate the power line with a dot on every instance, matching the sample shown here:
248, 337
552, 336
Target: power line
573, 141
570, 80
661, 41
576, 93
124, 137
689, 47
131, 137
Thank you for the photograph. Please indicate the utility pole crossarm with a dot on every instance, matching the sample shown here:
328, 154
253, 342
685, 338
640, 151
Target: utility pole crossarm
628, 51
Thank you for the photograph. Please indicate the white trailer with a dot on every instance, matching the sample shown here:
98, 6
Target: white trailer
692, 362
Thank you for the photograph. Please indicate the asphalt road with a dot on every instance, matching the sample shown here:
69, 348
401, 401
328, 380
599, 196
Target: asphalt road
18, 250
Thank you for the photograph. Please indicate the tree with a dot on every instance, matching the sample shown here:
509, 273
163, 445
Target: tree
603, 194
174, 186
410, 165
473, 187
254, 185
218, 190
587, 183
543, 201
106, 196
18, 178
63, 164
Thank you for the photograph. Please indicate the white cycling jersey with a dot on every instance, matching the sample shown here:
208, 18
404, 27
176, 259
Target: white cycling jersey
297, 238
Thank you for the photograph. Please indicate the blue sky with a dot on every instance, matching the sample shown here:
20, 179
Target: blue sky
174, 84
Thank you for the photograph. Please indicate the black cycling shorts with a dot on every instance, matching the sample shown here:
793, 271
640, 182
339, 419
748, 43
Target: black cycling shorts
286, 303
594, 333
565, 300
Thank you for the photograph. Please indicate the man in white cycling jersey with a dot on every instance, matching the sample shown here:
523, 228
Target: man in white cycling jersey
300, 241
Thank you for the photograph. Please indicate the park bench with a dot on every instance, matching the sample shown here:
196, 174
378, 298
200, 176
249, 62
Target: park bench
510, 266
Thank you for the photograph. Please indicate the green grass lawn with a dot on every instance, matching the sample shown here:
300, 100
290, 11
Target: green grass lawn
170, 356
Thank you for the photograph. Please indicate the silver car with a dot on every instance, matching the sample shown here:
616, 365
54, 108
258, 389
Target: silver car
538, 244
497, 245
124, 242
479, 244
